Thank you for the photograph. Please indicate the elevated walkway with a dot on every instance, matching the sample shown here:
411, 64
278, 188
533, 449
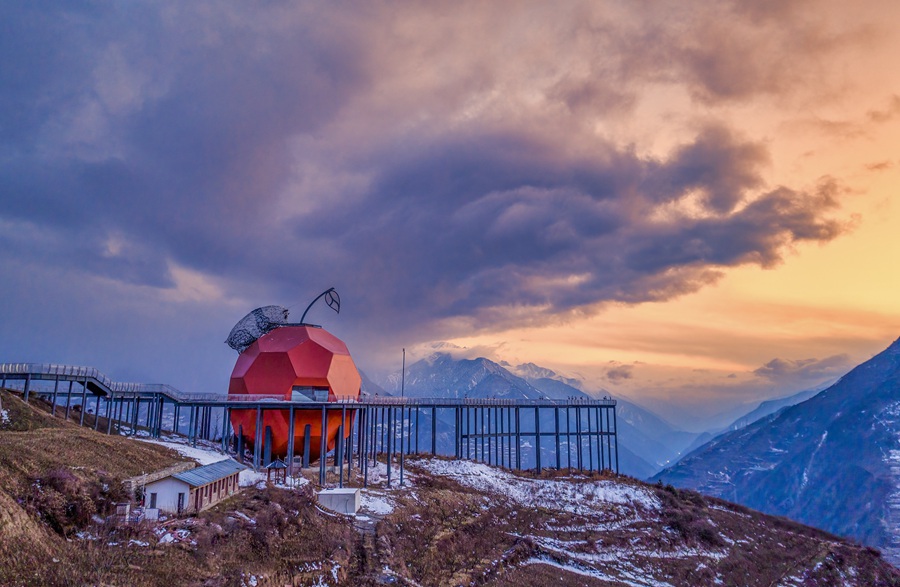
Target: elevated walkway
522, 433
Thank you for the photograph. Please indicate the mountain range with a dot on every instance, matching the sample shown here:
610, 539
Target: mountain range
646, 441
832, 461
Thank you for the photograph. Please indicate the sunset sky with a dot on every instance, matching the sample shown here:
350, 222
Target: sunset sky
691, 204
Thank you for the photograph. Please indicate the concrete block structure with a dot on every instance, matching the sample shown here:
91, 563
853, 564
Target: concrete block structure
344, 500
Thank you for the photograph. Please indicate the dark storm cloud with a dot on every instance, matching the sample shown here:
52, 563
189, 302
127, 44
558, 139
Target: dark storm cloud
216, 138
191, 164
619, 373
472, 224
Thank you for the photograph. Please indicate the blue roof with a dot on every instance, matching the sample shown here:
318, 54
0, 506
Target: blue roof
209, 473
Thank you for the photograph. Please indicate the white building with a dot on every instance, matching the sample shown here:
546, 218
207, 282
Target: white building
194, 490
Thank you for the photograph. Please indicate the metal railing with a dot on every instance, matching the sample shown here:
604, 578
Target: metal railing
130, 390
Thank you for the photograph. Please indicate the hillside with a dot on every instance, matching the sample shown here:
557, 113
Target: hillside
773, 405
830, 461
762, 410
453, 523
54, 476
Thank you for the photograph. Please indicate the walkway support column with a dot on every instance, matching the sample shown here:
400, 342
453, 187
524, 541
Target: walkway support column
556, 434
69, 399
110, 410
290, 449
55, 392
83, 401
323, 447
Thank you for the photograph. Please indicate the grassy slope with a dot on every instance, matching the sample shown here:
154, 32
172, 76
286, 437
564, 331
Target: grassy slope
34, 443
288, 541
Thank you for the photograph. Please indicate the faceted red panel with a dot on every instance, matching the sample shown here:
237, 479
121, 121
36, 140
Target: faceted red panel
281, 359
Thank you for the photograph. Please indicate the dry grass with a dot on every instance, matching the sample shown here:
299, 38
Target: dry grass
55, 476
452, 535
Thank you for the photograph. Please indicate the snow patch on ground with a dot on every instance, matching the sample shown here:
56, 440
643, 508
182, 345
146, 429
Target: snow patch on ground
4, 418
595, 574
207, 455
203, 456
378, 474
570, 550
890, 420
576, 497
380, 505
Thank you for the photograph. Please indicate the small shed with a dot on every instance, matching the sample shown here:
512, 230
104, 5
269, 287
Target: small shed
278, 470
196, 489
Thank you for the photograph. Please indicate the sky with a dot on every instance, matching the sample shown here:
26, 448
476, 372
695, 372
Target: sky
690, 204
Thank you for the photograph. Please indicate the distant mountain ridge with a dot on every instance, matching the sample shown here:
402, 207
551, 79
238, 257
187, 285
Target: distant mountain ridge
532, 372
646, 441
773, 405
761, 411
832, 461
440, 375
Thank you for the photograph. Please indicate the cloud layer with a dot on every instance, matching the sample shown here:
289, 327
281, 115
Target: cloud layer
447, 168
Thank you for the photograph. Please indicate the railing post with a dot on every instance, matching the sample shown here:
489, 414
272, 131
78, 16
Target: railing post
537, 439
